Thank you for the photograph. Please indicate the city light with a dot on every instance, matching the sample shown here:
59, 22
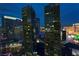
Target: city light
47, 13
13, 18
8, 17
30, 36
69, 37
37, 41
76, 37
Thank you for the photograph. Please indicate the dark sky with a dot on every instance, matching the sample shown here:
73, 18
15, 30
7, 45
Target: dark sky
69, 12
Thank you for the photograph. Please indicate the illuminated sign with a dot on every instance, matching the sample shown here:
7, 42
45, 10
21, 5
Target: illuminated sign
72, 33
72, 29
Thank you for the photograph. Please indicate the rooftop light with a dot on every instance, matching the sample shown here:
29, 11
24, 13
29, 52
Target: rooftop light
13, 18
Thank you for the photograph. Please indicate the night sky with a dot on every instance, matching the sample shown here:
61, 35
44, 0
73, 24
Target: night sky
69, 12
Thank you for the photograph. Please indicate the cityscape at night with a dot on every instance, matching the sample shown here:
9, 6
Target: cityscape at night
39, 29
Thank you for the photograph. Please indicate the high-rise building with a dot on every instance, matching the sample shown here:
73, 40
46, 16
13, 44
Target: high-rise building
41, 42
52, 26
9, 24
28, 16
36, 27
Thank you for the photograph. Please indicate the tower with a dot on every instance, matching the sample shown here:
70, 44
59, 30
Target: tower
28, 15
52, 26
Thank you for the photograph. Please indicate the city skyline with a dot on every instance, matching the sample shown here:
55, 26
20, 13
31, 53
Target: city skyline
21, 33
68, 12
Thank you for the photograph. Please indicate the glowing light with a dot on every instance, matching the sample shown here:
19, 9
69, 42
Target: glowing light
76, 37
72, 36
13, 18
47, 13
28, 26
69, 36
8, 17
37, 41
28, 29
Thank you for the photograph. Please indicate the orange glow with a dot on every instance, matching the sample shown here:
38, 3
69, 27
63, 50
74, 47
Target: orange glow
72, 29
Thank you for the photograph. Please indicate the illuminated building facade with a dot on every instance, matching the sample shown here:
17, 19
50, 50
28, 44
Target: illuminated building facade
28, 16
9, 25
9, 32
74, 29
52, 26
72, 33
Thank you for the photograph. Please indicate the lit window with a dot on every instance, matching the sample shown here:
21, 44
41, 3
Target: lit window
52, 26
35, 53
28, 26
15, 44
48, 30
47, 13
28, 29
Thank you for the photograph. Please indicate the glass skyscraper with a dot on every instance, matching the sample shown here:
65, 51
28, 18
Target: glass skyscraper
52, 26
